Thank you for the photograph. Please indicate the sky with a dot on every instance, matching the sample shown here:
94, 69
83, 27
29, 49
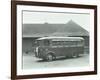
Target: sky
32, 17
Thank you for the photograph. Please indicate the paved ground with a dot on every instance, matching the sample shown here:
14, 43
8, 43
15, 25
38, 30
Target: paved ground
31, 62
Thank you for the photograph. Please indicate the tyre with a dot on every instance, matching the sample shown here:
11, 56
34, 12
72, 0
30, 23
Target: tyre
49, 57
75, 55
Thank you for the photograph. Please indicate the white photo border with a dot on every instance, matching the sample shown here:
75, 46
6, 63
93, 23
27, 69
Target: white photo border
20, 71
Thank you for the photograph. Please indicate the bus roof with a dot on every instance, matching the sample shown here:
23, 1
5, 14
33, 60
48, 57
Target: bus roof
61, 38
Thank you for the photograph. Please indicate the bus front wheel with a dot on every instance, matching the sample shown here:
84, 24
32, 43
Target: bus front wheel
49, 57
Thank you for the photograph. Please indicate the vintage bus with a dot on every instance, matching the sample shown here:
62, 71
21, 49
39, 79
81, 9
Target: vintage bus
49, 48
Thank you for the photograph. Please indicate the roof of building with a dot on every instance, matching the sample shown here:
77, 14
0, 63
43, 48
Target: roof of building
40, 30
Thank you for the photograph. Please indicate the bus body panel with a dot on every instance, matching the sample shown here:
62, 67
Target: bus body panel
59, 51
68, 47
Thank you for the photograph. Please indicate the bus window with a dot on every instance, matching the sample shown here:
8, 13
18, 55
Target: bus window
54, 43
69, 43
57, 43
46, 43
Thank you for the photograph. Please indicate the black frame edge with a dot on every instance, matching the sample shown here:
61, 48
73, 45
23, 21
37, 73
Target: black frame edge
14, 75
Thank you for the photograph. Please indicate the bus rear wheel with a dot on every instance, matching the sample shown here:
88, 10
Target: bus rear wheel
75, 55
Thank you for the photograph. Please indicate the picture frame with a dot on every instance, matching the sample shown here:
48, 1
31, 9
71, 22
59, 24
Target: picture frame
18, 9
